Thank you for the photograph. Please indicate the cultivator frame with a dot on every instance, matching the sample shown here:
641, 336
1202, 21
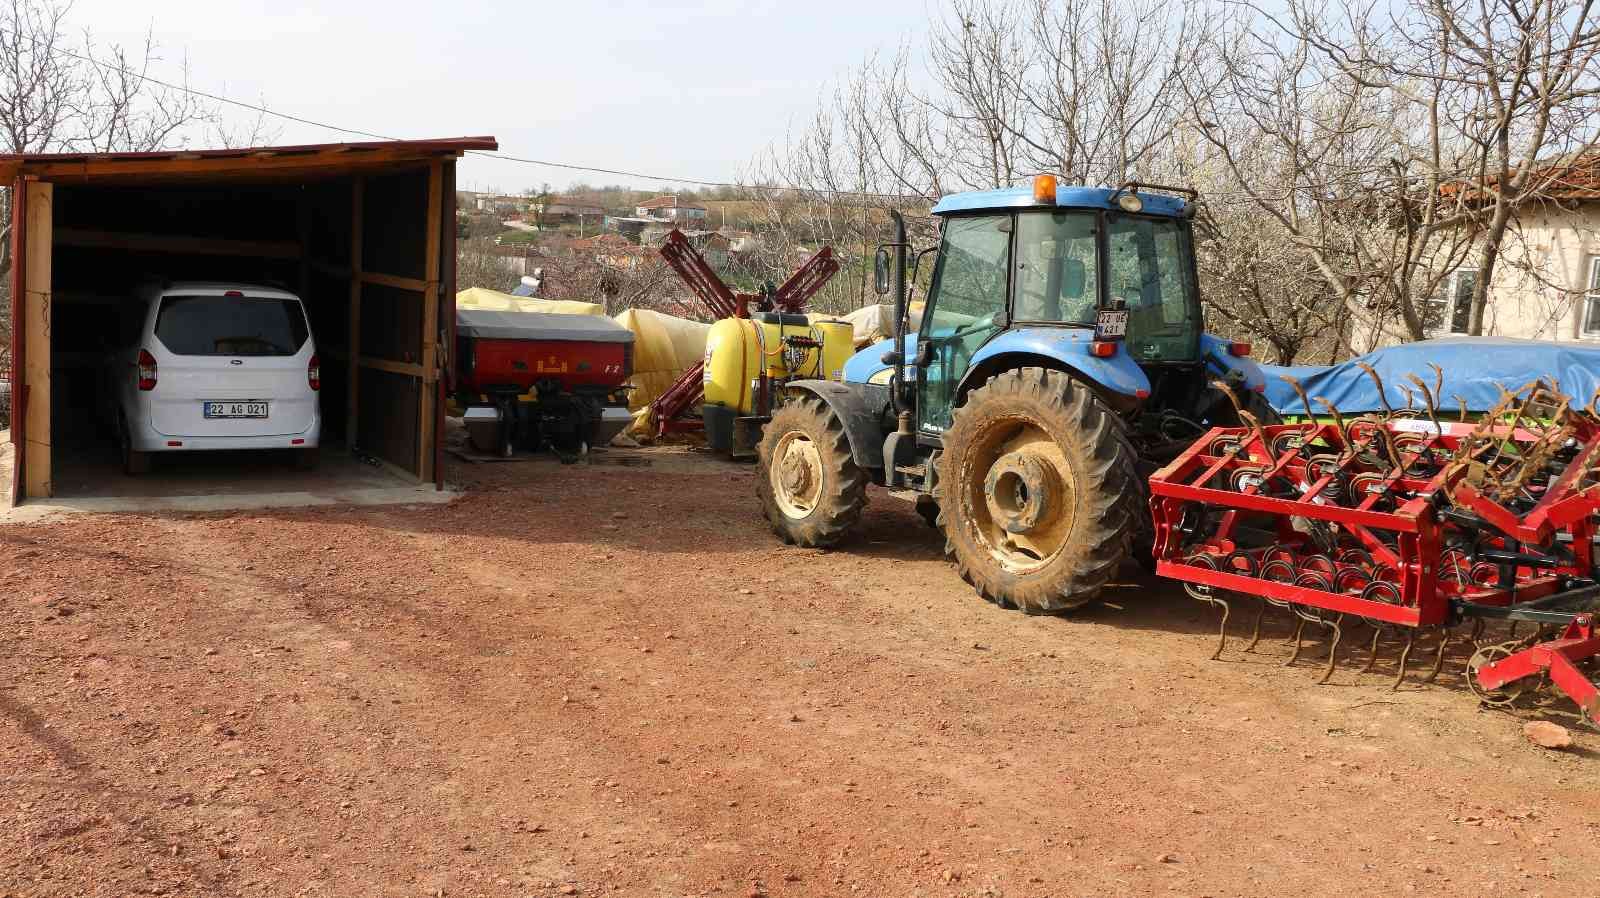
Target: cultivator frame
1406, 522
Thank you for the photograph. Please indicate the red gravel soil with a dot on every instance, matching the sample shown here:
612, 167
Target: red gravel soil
607, 679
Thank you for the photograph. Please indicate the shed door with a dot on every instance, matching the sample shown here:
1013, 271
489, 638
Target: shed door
401, 236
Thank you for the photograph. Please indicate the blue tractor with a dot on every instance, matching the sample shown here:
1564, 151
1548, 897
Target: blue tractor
1060, 358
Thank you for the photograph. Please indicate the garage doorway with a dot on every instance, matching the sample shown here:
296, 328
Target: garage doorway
363, 234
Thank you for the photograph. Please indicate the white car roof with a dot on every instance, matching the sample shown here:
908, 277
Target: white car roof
218, 288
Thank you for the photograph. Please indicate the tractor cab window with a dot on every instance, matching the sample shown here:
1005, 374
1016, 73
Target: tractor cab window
966, 306
1150, 272
1056, 267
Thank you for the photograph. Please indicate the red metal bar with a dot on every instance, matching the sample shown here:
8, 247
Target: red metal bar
806, 281
1375, 519
1558, 658
692, 267
1300, 595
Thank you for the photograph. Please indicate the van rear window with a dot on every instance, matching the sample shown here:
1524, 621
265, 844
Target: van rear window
230, 325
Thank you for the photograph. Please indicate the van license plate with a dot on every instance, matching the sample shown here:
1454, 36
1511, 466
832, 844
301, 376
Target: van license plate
236, 410
1111, 323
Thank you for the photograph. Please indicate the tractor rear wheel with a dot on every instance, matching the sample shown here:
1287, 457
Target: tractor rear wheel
810, 486
1038, 493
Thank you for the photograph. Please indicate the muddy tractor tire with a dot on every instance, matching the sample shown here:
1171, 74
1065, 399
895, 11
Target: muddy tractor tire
1038, 491
811, 490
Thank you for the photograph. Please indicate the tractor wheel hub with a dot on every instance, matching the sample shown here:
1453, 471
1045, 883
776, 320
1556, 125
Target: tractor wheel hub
1022, 491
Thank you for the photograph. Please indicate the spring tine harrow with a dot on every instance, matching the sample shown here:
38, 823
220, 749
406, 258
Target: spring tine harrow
1333, 649
1407, 523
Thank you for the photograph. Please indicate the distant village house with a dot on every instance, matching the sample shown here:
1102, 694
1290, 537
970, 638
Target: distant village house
560, 209
668, 208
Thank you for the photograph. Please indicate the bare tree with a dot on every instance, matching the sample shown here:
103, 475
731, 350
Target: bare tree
478, 265
65, 93
1396, 144
1004, 89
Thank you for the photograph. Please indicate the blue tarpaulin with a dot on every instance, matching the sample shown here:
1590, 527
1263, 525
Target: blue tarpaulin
1474, 369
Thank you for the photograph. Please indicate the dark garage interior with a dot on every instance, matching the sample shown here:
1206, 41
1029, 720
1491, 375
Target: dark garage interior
364, 234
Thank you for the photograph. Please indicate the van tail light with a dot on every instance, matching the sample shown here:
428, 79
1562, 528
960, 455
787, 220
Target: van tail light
1238, 349
147, 370
314, 372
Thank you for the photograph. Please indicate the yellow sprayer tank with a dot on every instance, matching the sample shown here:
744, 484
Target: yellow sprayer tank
740, 350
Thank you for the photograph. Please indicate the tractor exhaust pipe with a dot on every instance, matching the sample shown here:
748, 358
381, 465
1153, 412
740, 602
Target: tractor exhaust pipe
897, 285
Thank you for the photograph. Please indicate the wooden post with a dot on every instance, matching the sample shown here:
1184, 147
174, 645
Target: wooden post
352, 387
430, 322
36, 313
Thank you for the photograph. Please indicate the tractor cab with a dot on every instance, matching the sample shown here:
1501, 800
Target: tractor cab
1058, 360
1104, 272
1101, 280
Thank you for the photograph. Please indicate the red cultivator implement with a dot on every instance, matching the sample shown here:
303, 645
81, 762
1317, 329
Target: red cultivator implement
1408, 525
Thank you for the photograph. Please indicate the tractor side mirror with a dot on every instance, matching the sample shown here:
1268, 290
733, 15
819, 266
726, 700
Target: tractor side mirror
880, 271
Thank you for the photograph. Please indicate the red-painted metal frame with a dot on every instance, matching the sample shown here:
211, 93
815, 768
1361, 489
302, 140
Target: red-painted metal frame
1410, 560
1558, 658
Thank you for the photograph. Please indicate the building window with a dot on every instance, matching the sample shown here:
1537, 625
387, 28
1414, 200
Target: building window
1449, 310
1591, 301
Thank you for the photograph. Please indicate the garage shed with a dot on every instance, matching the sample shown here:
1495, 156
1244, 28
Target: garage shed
364, 233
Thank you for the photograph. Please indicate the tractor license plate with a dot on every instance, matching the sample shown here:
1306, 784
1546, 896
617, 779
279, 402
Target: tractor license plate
235, 409
1111, 323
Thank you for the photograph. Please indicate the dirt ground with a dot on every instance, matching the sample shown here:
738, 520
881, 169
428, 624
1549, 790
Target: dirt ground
610, 679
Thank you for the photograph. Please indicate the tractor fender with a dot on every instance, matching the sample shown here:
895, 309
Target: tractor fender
868, 366
862, 408
1221, 363
1118, 379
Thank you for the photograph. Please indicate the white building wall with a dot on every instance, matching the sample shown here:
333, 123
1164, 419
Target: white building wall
1542, 279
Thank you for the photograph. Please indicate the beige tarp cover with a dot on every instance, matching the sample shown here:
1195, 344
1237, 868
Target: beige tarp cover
494, 301
876, 322
663, 348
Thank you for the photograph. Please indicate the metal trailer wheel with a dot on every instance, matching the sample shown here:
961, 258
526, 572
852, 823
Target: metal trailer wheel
1038, 491
811, 490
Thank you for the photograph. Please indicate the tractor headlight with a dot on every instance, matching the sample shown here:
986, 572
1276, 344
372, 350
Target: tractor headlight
1130, 202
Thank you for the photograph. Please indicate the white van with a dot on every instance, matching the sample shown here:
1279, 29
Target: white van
209, 366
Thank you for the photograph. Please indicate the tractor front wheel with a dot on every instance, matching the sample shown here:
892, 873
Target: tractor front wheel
811, 489
1038, 493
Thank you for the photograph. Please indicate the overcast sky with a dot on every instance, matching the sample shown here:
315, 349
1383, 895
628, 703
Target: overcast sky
683, 89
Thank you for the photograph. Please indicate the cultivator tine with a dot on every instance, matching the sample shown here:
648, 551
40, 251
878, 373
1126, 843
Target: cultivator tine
1222, 629
1255, 631
1428, 402
1299, 632
1251, 421
1333, 649
1333, 410
1438, 657
1372, 652
1301, 392
1383, 395
1405, 657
